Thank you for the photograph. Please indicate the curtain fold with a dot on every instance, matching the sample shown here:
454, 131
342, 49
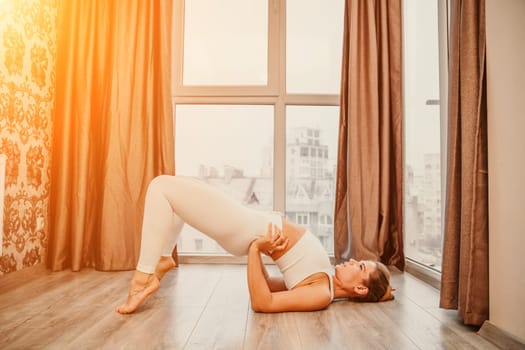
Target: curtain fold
368, 207
112, 128
464, 278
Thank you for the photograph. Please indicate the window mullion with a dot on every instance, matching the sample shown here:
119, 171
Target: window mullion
279, 182
279, 199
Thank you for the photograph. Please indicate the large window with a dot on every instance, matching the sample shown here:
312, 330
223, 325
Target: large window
256, 118
425, 116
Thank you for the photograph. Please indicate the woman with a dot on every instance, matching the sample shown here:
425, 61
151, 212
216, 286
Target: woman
307, 283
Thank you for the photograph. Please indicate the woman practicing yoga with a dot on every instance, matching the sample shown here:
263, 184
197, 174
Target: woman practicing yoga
308, 281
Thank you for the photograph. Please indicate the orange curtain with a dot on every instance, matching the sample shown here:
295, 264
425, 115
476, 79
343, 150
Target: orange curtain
112, 128
368, 209
465, 271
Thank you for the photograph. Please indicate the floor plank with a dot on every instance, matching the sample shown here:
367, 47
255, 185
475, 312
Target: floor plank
225, 314
272, 331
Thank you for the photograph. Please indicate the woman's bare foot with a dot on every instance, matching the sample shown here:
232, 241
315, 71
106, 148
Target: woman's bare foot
142, 286
165, 264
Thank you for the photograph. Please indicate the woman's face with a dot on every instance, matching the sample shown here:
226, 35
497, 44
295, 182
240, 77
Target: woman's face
352, 273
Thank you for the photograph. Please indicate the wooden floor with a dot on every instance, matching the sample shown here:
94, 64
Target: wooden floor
207, 307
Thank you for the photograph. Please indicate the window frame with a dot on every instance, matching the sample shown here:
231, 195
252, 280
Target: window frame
270, 89
274, 93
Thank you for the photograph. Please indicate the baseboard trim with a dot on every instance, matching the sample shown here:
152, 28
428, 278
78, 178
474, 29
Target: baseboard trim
217, 259
423, 273
223, 259
499, 337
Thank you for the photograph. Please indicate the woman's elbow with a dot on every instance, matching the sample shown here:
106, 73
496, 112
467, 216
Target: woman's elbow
256, 307
260, 306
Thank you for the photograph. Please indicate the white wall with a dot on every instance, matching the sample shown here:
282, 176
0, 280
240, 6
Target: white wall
506, 138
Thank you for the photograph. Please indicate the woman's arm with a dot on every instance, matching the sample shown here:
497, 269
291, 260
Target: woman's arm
306, 298
260, 293
276, 284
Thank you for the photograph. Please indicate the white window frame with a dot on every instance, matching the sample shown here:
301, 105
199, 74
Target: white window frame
274, 93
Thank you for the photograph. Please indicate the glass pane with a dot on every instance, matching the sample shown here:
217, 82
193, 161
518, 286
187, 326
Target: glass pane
311, 157
314, 38
423, 237
225, 42
230, 147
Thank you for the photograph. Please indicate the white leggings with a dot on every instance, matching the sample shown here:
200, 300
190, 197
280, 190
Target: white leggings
172, 201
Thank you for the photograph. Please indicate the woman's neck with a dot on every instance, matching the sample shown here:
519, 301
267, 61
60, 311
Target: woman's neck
339, 292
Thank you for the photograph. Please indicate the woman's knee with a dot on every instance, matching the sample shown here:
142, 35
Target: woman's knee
160, 182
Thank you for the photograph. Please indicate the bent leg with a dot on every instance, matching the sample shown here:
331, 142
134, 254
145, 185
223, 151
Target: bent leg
171, 201
155, 251
160, 228
200, 205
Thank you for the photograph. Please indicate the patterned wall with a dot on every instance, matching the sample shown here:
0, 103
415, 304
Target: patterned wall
27, 80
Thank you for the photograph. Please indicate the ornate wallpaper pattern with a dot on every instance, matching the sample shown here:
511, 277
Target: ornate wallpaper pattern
27, 84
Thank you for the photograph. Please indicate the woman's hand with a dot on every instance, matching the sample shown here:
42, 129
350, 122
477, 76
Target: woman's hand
270, 243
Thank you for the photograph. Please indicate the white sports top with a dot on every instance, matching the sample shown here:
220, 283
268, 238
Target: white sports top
304, 259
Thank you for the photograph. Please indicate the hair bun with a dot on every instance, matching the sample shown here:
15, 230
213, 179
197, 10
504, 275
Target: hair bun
388, 294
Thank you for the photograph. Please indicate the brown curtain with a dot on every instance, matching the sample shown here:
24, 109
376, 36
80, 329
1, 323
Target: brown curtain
368, 209
112, 128
464, 279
